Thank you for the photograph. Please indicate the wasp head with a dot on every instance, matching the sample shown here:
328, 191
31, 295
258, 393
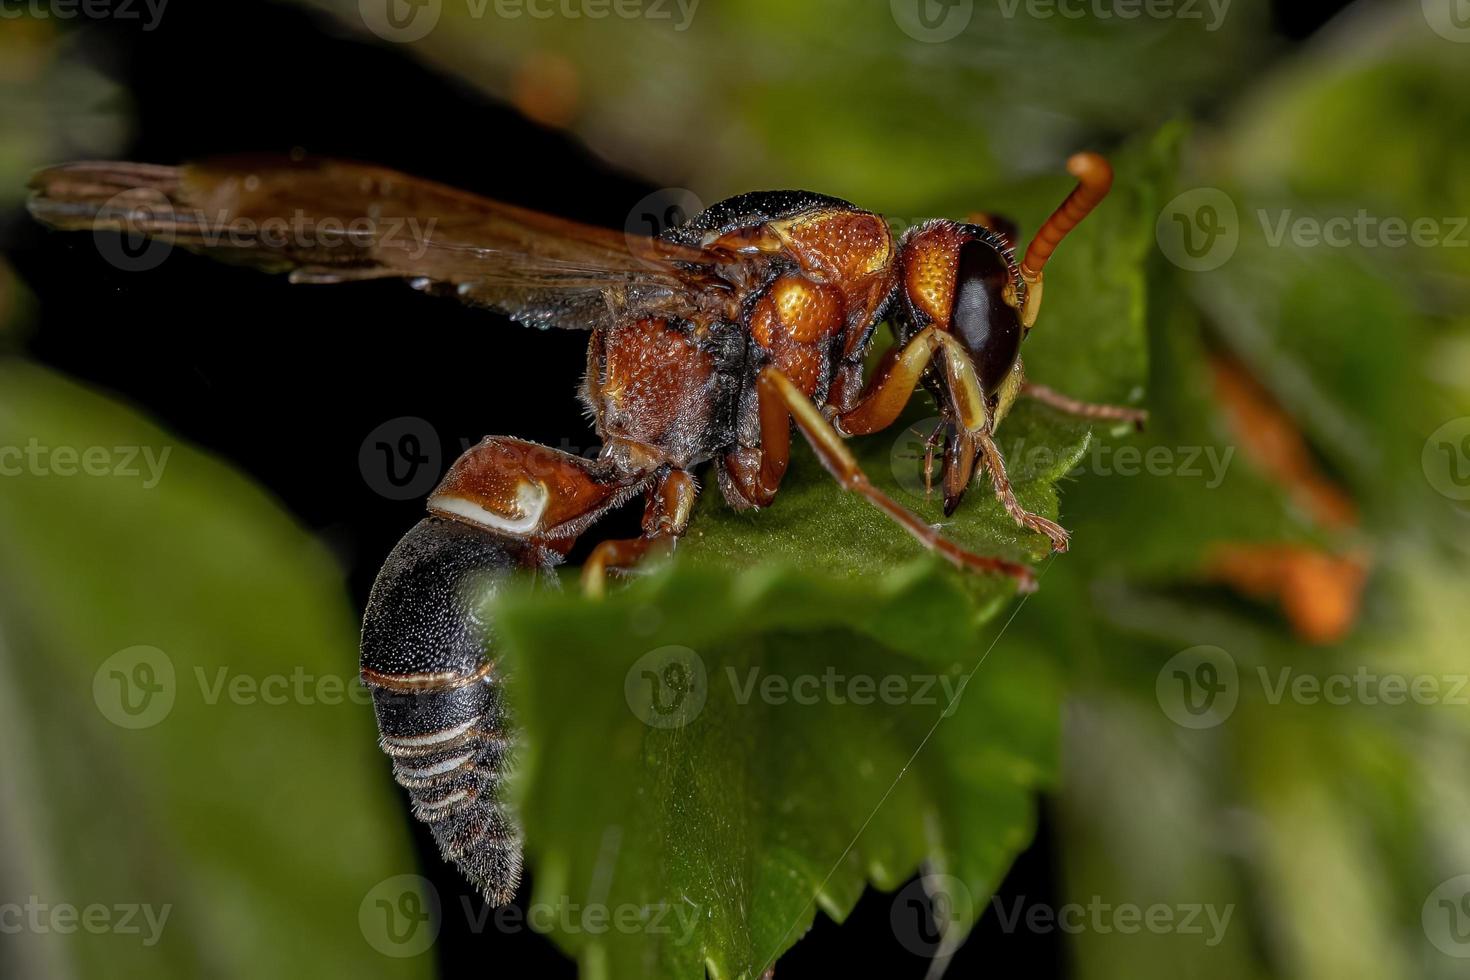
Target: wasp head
963, 279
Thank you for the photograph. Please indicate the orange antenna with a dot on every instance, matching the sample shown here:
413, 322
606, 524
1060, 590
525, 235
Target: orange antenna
1094, 180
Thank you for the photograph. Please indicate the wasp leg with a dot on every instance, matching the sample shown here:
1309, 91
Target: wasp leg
930, 444
665, 517
883, 400
1007, 495
781, 402
1086, 410
894, 383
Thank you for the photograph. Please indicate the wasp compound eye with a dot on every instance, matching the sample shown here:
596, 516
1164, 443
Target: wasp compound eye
988, 326
440, 707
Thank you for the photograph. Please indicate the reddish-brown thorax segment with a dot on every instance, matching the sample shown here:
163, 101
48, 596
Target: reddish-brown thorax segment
848, 251
793, 323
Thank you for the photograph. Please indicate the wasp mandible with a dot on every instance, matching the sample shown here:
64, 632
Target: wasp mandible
709, 342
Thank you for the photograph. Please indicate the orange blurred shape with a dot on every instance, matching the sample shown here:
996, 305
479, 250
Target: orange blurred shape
1272, 441
547, 88
1319, 592
27, 45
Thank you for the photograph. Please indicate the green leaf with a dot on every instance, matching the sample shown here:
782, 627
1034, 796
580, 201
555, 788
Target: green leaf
767, 796
184, 731
715, 840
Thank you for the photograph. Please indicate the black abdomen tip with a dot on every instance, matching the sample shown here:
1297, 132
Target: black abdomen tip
441, 713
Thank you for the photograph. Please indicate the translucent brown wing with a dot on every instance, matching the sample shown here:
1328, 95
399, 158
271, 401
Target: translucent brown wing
327, 221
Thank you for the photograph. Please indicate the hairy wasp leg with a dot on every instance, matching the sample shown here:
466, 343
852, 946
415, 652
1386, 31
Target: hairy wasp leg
884, 398
665, 517
1085, 410
441, 711
1006, 494
893, 384
781, 403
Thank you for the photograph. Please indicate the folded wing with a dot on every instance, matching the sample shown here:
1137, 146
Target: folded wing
329, 221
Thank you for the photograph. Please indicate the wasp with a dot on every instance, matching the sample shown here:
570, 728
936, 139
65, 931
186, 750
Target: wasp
708, 343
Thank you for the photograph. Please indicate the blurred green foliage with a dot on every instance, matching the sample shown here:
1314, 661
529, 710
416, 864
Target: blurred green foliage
180, 711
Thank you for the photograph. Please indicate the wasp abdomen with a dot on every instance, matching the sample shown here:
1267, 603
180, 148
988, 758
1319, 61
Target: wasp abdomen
441, 711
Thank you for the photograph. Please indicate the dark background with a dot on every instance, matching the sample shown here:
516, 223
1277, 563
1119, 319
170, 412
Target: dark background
288, 382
